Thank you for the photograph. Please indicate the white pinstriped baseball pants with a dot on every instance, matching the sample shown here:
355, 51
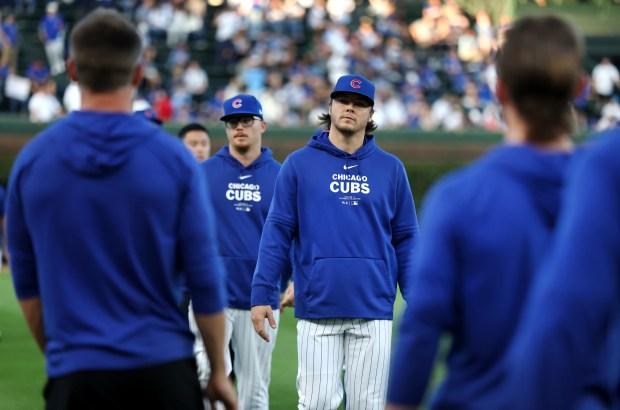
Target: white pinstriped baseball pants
324, 347
252, 358
252, 362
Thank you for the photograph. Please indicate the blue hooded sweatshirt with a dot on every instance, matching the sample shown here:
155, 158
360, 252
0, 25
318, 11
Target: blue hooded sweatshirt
2, 200
486, 230
241, 197
352, 221
104, 212
567, 354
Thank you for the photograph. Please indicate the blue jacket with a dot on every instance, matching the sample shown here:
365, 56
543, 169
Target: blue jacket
104, 212
2, 201
486, 229
567, 355
241, 197
353, 225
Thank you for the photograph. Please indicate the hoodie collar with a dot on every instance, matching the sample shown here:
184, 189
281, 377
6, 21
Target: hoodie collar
320, 140
94, 143
265, 156
541, 172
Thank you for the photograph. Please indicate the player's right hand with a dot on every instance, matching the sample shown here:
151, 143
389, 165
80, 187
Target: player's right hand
220, 389
287, 299
259, 314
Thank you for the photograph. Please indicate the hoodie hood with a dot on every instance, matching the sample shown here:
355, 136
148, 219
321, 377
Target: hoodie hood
543, 173
97, 144
320, 140
265, 157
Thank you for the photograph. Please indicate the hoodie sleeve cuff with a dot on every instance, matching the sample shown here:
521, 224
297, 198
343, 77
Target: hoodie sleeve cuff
262, 295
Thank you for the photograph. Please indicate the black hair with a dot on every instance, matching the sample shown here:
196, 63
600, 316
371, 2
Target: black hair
192, 126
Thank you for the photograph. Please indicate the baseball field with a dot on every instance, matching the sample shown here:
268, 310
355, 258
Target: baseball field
22, 371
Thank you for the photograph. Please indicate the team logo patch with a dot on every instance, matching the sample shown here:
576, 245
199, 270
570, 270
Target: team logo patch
357, 83
243, 196
237, 103
351, 189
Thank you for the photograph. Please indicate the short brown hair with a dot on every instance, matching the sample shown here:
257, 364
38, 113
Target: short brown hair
540, 66
106, 49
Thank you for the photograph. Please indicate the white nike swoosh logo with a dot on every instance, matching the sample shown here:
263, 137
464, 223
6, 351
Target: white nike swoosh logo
244, 176
352, 166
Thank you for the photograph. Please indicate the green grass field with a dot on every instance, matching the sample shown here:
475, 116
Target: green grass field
22, 366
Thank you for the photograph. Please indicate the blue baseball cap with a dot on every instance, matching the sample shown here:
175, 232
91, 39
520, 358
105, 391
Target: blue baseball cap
357, 84
242, 104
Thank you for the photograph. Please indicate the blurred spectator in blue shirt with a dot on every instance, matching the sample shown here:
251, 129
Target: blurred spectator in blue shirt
52, 35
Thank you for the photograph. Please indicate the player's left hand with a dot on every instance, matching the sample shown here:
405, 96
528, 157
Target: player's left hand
259, 314
287, 299
220, 389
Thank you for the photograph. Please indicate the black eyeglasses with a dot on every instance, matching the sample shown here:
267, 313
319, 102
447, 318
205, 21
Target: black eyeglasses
245, 122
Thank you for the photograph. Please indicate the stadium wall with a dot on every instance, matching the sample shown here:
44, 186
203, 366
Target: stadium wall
427, 155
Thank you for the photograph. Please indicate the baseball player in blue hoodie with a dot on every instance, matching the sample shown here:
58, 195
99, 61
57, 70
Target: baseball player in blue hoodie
2, 200
487, 227
107, 218
570, 333
241, 178
347, 208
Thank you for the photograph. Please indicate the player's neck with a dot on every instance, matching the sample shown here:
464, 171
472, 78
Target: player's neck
518, 130
119, 100
346, 142
246, 157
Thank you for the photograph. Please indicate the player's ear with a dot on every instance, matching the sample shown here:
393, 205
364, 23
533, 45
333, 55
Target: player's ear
71, 69
501, 92
581, 85
138, 74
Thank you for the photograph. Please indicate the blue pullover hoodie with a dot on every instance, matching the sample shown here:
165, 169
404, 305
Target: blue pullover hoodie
241, 197
486, 230
105, 211
352, 221
567, 354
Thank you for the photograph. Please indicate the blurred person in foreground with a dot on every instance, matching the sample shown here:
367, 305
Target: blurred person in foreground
567, 353
488, 227
2, 229
133, 213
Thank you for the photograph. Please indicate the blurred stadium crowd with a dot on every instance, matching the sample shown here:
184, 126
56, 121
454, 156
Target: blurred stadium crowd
433, 66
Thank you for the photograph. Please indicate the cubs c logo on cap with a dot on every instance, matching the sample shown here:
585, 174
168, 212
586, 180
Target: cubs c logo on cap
242, 104
357, 84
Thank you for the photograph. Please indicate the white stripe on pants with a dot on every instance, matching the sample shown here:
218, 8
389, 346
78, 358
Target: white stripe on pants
202, 360
252, 363
325, 346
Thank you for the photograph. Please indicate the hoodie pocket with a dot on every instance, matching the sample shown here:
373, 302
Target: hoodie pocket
350, 288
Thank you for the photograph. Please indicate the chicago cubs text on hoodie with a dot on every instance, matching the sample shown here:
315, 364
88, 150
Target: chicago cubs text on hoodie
567, 354
104, 212
352, 221
241, 197
487, 228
